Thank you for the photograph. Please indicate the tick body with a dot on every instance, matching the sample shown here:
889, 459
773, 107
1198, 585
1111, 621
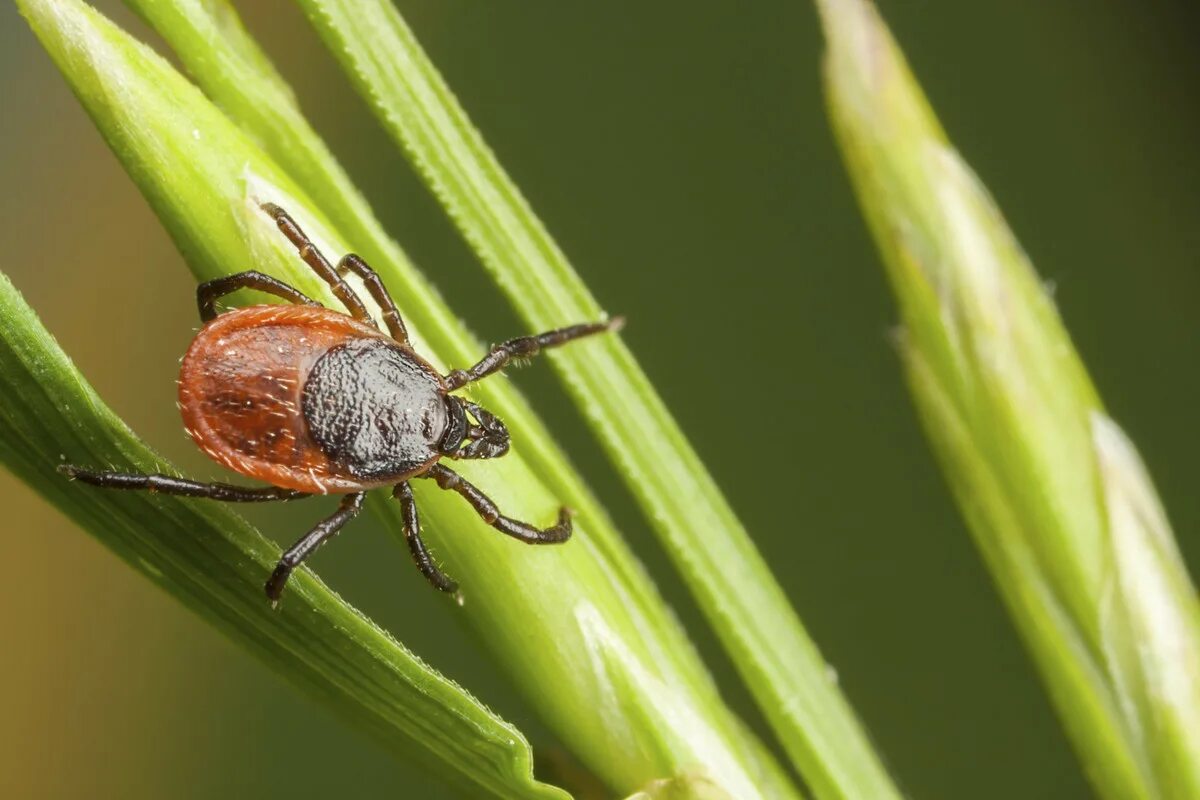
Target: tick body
313, 401
309, 399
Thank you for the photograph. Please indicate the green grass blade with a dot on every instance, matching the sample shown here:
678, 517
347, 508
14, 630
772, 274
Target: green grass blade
233, 71
1055, 494
756, 624
597, 653
215, 563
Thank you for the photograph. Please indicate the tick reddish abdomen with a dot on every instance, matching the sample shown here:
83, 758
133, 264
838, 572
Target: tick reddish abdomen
241, 394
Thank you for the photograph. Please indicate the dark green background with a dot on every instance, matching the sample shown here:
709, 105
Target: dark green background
680, 154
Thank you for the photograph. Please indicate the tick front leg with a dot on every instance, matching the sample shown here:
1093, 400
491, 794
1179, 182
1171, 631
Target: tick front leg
449, 479
323, 532
526, 347
166, 484
412, 534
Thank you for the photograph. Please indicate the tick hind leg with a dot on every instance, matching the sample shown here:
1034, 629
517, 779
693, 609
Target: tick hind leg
334, 276
526, 347
319, 264
209, 292
412, 534
379, 293
449, 479
323, 532
166, 484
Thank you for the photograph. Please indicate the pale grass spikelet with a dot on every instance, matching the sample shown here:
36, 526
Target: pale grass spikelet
1054, 493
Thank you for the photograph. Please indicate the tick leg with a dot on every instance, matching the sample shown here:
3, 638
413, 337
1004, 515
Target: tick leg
526, 347
412, 534
319, 264
449, 479
323, 532
209, 292
225, 492
379, 293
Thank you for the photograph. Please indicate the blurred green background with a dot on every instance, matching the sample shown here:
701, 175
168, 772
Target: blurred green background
680, 153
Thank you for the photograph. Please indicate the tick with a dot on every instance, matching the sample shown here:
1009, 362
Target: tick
313, 401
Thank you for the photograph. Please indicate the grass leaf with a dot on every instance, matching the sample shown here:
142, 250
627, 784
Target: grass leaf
732, 583
1055, 494
577, 627
215, 563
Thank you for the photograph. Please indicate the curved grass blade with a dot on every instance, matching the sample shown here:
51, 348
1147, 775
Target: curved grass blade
237, 75
536, 608
1056, 496
215, 563
777, 660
